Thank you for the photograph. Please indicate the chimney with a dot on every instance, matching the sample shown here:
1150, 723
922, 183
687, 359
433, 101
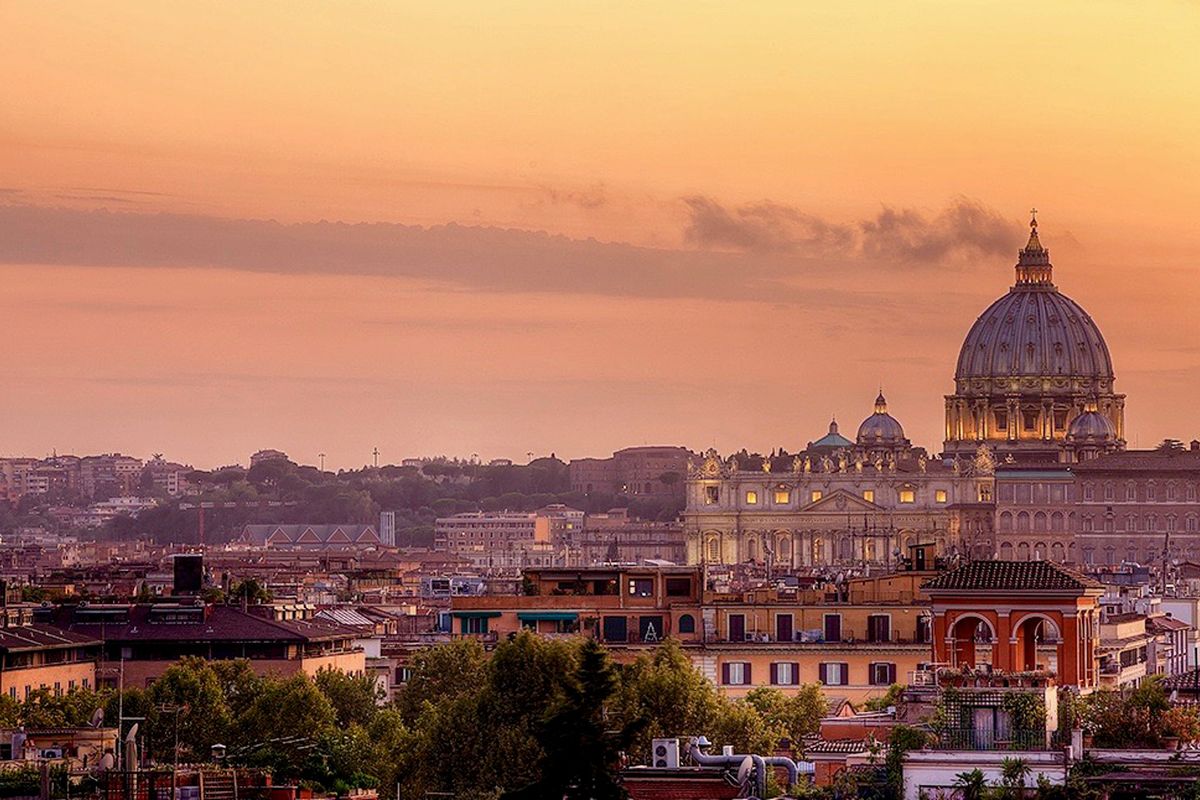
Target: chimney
1195, 445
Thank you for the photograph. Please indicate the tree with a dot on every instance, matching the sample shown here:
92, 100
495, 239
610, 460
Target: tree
1014, 772
796, 716
665, 688
288, 707
354, 698
190, 703
971, 785
581, 754
442, 673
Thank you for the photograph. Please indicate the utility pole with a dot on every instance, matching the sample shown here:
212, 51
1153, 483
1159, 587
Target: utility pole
322, 457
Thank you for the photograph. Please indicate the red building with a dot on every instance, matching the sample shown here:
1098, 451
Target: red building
1018, 616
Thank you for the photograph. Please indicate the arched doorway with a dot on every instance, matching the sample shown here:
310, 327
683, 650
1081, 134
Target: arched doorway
1037, 643
973, 638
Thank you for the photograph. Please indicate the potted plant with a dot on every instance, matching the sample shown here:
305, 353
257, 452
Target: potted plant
1180, 724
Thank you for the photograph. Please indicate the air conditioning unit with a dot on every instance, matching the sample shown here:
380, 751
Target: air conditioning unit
665, 753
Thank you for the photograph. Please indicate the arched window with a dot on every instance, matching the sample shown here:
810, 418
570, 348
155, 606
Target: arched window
714, 549
752, 549
1023, 551
687, 624
1039, 521
1023, 522
1056, 521
784, 549
1131, 491
1005, 521
1058, 552
1006, 551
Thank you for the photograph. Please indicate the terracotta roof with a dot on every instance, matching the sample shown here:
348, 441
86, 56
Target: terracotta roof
1149, 460
991, 575
1185, 681
1162, 624
136, 622
818, 746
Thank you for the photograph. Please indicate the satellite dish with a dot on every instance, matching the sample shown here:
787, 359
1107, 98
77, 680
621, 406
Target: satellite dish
133, 729
743, 773
97, 718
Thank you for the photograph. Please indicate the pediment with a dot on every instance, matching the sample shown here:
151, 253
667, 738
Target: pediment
842, 502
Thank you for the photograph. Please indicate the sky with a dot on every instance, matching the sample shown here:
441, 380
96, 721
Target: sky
534, 227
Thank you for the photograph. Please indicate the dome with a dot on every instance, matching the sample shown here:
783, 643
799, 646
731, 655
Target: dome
832, 440
1035, 331
881, 427
1091, 427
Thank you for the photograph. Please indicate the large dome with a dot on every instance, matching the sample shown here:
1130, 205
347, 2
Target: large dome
1031, 364
1034, 332
881, 428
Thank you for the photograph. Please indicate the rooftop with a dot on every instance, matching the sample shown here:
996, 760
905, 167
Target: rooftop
991, 575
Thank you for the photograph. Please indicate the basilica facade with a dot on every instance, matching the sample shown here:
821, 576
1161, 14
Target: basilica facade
1034, 388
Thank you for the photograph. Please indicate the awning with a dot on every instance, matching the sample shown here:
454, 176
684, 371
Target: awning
474, 614
549, 616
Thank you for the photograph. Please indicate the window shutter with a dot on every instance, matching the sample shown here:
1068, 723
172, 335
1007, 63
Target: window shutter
824, 673
845, 675
795, 672
748, 681
774, 673
871, 673
891, 674
725, 674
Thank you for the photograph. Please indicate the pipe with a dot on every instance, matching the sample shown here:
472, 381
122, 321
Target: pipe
793, 771
705, 760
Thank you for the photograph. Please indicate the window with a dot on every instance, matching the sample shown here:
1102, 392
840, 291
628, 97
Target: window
751, 498
924, 631
712, 494
687, 624
908, 496
735, 673
641, 587
869, 495
1089, 491
879, 628
814, 496
833, 627
883, 674
1060, 420
1001, 419
939, 496
474, 625
1131, 491
737, 627
1150, 491
1031, 420
834, 674
782, 497
714, 550
785, 673
1108, 491
616, 629
679, 587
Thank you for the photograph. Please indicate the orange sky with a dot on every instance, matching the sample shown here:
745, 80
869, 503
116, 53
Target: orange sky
787, 189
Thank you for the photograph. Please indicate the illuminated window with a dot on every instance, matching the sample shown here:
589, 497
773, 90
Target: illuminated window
815, 496
711, 495
751, 498
908, 496
869, 495
782, 496
940, 495
1001, 419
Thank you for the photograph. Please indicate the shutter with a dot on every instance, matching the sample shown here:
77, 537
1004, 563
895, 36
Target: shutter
871, 673
845, 675
795, 673
725, 674
748, 681
891, 674
823, 671
774, 673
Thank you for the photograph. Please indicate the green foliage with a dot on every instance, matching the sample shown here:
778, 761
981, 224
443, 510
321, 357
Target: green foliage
890, 698
971, 785
191, 709
1132, 718
355, 698
792, 716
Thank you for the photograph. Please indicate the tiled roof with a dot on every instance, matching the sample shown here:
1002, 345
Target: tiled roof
216, 623
1185, 681
1149, 460
991, 575
38, 637
1161, 624
818, 746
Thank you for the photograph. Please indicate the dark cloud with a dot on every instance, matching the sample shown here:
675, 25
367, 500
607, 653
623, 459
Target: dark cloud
763, 227
588, 199
763, 252
966, 228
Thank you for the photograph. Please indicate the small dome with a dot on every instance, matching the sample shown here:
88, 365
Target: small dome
831, 440
1091, 426
881, 428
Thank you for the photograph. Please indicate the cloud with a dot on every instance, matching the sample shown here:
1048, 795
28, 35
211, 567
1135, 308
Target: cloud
590, 198
763, 227
966, 228
761, 252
